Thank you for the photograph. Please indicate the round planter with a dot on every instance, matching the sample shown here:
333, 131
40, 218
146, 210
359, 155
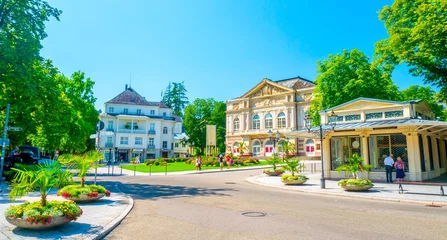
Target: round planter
22, 223
293, 182
272, 174
85, 198
357, 188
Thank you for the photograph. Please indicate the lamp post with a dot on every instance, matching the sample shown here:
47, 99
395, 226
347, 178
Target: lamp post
323, 131
274, 139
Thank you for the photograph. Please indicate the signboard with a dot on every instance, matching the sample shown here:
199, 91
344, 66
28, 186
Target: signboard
211, 135
5, 141
15, 129
100, 125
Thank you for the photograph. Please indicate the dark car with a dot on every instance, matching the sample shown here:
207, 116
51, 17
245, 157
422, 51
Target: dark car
23, 155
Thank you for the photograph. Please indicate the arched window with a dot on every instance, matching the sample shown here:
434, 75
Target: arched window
268, 121
281, 120
256, 147
256, 122
236, 124
165, 130
235, 147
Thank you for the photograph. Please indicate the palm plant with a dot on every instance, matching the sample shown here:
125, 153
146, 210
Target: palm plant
83, 163
354, 165
288, 147
242, 148
42, 177
294, 166
273, 161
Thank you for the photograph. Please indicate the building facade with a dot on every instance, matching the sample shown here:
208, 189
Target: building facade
137, 127
374, 128
276, 106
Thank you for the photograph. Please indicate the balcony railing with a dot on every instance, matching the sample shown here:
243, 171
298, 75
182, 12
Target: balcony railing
137, 131
151, 146
109, 145
110, 130
151, 131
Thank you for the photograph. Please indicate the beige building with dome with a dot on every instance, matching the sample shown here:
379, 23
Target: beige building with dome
277, 106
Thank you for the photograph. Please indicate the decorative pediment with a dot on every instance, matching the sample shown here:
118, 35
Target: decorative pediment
367, 105
266, 88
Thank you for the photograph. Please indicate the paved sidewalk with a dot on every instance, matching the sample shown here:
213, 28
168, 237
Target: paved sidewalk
381, 191
98, 218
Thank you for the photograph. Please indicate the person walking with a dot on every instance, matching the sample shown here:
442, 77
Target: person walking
400, 168
137, 159
389, 162
198, 163
221, 161
228, 160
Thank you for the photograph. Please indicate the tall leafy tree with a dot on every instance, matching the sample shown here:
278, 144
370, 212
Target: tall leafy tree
347, 76
416, 92
204, 112
417, 37
175, 97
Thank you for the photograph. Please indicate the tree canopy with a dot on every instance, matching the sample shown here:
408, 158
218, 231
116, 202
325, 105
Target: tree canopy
417, 37
416, 92
175, 97
204, 112
347, 76
54, 111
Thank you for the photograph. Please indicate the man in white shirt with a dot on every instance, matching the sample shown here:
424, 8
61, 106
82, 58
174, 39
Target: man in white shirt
389, 162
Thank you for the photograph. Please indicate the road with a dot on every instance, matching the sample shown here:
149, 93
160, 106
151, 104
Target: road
210, 206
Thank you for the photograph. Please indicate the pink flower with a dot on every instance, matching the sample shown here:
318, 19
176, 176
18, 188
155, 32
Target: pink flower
66, 195
107, 193
93, 194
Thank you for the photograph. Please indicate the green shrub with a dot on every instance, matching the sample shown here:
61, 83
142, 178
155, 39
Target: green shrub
355, 182
287, 177
76, 190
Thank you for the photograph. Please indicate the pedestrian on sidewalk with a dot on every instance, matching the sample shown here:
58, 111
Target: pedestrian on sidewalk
228, 160
389, 162
400, 168
198, 163
221, 161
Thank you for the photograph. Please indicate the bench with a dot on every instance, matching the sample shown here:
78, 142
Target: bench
441, 185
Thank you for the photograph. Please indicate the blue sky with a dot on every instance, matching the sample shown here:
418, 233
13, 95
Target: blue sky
219, 48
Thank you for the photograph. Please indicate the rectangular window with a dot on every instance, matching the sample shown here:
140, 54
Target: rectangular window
176, 145
164, 114
268, 123
394, 114
151, 141
152, 112
421, 152
110, 125
236, 125
126, 110
281, 122
138, 141
355, 117
256, 124
111, 109
124, 140
165, 144
138, 111
380, 147
183, 145
152, 126
430, 152
378, 115
340, 118
172, 146
109, 140
343, 148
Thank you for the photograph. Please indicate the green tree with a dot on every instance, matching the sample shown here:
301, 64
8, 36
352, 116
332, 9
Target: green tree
416, 92
347, 76
417, 37
175, 97
204, 112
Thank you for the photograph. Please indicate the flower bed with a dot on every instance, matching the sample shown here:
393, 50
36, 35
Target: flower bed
273, 172
87, 193
360, 184
293, 180
33, 215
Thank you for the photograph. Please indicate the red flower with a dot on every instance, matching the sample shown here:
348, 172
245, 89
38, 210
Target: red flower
107, 193
66, 195
93, 194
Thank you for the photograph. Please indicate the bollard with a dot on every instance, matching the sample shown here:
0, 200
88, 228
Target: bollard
108, 169
121, 171
96, 170
150, 168
113, 167
134, 169
166, 169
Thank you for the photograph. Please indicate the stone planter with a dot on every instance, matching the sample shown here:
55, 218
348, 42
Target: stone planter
22, 223
83, 198
354, 188
293, 182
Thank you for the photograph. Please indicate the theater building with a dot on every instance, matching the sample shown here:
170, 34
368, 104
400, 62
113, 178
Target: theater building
277, 106
374, 128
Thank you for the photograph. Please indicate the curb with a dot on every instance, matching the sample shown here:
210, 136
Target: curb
253, 181
113, 224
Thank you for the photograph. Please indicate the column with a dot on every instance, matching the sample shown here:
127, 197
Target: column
242, 122
262, 119
274, 119
435, 154
325, 146
230, 124
426, 154
365, 149
414, 158
293, 119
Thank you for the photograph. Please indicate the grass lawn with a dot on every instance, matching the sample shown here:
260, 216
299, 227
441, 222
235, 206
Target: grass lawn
178, 167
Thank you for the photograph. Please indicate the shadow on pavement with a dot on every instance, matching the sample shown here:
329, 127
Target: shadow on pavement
72, 228
154, 192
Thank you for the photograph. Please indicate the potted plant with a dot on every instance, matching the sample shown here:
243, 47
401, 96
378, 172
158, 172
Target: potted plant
41, 214
127, 126
354, 165
83, 163
293, 166
273, 171
135, 127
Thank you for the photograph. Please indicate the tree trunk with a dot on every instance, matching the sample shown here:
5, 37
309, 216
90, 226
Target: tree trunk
43, 198
82, 182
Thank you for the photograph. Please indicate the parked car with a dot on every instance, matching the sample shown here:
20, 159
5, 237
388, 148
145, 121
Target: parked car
27, 155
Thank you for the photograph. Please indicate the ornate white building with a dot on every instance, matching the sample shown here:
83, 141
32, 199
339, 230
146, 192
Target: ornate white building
137, 127
277, 106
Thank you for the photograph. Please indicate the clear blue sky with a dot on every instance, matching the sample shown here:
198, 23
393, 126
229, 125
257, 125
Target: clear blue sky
220, 48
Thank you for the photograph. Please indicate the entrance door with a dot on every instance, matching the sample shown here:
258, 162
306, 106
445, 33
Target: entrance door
164, 154
269, 150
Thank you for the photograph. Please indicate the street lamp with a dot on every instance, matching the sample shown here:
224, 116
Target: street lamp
332, 121
274, 139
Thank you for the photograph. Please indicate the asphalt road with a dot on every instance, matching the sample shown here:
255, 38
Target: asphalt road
210, 206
